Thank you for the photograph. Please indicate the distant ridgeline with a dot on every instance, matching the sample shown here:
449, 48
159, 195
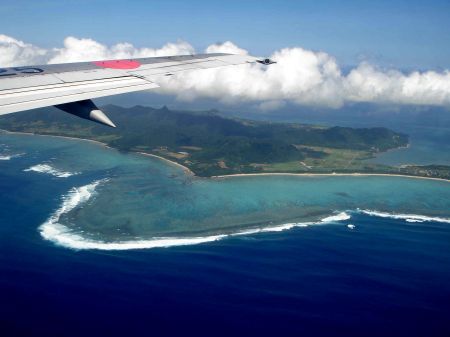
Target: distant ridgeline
211, 144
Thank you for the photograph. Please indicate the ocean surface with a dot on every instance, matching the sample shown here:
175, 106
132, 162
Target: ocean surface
98, 242
428, 145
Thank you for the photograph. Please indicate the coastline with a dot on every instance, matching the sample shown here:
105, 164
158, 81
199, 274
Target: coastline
56, 136
188, 171
326, 175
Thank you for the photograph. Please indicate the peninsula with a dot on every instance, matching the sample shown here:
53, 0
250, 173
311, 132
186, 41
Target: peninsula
211, 144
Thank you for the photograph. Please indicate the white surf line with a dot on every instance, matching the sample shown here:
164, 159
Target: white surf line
61, 235
276, 228
406, 217
334, 174
51, 229
11, 156
46, 168
338, 217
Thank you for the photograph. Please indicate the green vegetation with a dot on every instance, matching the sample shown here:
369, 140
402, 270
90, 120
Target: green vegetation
210, 144
331, 159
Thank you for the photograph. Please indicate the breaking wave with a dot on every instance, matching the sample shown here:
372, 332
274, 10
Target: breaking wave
338, 217
61, 235
406, 217
45, 168
9, 157
276, 228
51, 229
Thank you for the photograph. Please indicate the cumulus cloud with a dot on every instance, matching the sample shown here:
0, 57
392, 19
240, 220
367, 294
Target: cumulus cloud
305, 77
300, 76
15, 52
77, 50
226, 47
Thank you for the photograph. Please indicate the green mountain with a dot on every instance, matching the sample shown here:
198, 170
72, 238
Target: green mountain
211, 144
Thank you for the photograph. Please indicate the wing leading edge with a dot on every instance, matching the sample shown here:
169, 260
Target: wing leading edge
70, 87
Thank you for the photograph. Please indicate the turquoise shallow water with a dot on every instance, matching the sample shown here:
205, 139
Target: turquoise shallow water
113, 200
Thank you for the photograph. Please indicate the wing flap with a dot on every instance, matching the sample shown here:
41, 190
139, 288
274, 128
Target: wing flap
153, 70
236, 59
162, 71
29, 81
89, 75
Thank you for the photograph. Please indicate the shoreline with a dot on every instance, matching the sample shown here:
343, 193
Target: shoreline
326, 175
66, 137
188, 171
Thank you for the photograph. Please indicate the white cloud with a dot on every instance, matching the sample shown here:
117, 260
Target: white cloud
77, 50
226, 47
300, 76
17, 53
305, 77
14, 52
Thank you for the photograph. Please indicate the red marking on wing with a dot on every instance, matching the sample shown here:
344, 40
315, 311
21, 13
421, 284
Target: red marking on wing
118, 64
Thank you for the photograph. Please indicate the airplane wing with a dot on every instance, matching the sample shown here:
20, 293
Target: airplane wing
70, 87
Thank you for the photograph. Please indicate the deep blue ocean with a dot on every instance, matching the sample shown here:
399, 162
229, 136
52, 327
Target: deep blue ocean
261, 256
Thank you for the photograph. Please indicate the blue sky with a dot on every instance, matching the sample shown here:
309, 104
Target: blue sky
401, 34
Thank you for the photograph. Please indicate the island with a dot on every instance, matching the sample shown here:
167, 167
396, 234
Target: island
209, 143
